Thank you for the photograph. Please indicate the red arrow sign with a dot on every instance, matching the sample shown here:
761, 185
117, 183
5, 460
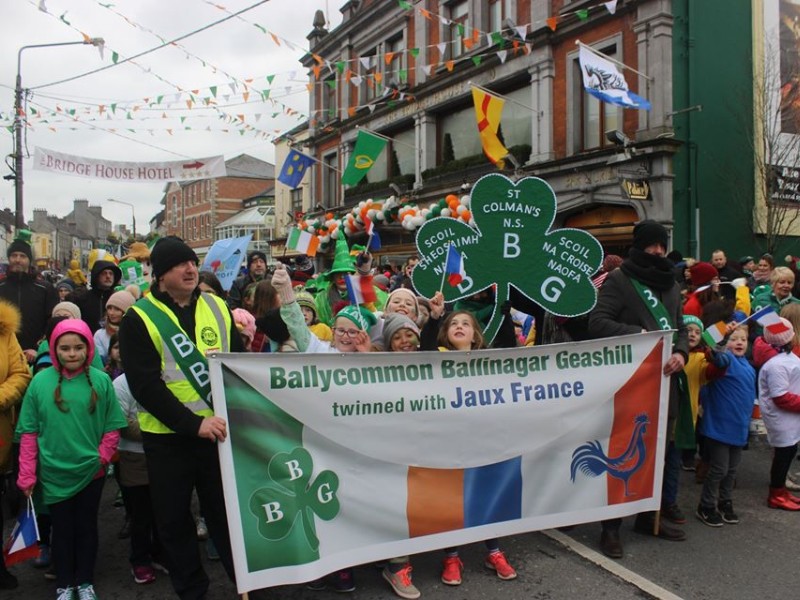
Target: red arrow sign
195, 165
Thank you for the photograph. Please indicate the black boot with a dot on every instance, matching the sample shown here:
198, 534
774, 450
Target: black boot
611, 544
645, 523
7, 580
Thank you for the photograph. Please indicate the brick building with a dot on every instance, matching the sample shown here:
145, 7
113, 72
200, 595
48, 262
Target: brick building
193, 209
406, 71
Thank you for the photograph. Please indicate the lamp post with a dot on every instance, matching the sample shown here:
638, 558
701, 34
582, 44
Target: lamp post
133, 213
18, 121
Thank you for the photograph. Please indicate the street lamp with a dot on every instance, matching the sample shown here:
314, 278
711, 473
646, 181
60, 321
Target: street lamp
20, 218
133, 213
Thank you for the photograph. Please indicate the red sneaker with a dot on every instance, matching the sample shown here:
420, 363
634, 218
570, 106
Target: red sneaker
144, 574
498, 563
451, 571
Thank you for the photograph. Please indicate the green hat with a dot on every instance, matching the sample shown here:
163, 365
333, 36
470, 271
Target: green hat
360, 316
691, 319
303, 298
342, 261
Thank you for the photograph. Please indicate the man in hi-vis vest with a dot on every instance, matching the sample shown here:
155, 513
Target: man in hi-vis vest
164, 340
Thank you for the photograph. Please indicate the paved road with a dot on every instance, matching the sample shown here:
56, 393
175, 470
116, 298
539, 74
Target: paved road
756, 558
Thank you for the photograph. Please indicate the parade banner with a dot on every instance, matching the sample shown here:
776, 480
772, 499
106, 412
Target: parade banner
112, 170
225, 258
336, 460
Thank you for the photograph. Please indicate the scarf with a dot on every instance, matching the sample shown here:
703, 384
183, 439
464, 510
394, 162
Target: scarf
653, 271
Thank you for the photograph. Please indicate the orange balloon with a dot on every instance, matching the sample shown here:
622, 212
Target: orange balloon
466, 215
328, 216
450, 198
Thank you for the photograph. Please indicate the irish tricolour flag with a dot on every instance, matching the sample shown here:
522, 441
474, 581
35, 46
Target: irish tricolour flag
332, 461
303, 242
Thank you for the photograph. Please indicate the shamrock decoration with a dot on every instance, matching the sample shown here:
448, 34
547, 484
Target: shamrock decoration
511, 245
292, 495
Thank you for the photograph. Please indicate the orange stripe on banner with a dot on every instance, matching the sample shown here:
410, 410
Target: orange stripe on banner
435, 500
640, 395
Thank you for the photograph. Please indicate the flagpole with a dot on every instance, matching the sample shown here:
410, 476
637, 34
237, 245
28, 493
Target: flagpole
319, 162
608, 58
492, 93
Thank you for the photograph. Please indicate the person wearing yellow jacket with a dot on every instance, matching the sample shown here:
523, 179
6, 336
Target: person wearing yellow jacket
164, 339
14, 378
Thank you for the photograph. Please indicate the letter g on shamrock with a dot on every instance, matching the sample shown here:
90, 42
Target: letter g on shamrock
511, 245
292, 495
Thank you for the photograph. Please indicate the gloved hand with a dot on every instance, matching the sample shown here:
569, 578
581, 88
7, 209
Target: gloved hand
283, 285
364, 263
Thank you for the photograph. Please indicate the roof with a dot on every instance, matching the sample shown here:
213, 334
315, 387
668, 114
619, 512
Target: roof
245, 165
249, 217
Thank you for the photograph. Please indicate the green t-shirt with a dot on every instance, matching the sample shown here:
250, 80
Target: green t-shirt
68, 441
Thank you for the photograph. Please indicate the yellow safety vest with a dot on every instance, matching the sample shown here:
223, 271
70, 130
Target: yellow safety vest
211, 332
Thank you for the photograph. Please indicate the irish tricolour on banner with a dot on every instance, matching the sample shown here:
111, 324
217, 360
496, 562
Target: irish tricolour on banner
333, 461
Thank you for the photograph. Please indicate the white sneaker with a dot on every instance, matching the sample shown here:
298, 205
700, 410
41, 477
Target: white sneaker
202, 530
792, 484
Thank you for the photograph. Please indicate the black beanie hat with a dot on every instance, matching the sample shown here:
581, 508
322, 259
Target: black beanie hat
648, 232
254, 255
20, 246
168, 252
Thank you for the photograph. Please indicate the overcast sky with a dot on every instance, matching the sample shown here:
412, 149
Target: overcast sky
234, 50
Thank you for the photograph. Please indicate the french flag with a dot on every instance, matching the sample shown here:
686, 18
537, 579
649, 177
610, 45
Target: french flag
769, 320
374, 239
454, 266
22, 544
360, 289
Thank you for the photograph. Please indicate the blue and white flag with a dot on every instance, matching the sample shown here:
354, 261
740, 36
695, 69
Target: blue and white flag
294, 168
22, 544
225, 257
603, 80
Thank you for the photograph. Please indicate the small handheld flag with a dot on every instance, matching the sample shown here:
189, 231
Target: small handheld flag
22, 544
303, 242
767, 317
454, 266
374, 241
715, 333
360, 289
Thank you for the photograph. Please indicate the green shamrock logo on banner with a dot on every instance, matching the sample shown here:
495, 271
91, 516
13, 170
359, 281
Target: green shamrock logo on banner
510, 245
292, 496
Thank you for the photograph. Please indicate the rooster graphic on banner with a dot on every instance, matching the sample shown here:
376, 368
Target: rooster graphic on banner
591, 460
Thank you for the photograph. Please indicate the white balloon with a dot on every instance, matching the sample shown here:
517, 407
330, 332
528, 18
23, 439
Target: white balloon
464, 200
445, 212
461, 209
418, 220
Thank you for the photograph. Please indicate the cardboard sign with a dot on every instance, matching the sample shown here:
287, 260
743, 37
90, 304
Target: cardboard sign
511, 245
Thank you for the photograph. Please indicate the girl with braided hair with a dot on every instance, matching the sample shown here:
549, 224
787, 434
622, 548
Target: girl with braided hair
69, 430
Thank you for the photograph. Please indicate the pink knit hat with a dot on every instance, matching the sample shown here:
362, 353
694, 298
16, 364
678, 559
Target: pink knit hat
779, 334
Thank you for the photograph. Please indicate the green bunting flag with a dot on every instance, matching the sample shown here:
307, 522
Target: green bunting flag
367, 149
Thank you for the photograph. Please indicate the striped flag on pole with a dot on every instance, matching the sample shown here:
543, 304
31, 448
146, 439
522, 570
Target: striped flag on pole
715, 333
22, 544
360, 289
303, 242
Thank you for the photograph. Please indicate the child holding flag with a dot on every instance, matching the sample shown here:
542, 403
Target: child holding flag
726, 405
69, 430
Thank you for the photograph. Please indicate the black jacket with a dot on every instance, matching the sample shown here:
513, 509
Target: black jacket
35, 299
143, 365
92, 302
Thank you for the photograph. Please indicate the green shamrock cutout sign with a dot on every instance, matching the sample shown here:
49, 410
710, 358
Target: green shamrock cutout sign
511, 245
292, 495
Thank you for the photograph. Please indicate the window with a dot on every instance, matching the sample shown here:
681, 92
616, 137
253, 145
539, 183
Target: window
396, 46
330, 186
296, 199
404, 147
458, 13
329, 105
592, 117
499, 10
368, 67
175, 211
458, 135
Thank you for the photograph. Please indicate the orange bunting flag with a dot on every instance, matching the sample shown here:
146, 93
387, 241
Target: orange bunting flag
552, 22
245, 95
488, 109
275, 39
450, 64
425, 13
316, 69
389, 57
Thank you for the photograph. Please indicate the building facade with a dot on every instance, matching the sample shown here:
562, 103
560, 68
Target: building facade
193, 209
407, 73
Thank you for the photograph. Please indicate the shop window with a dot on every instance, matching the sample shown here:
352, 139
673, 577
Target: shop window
458, 28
